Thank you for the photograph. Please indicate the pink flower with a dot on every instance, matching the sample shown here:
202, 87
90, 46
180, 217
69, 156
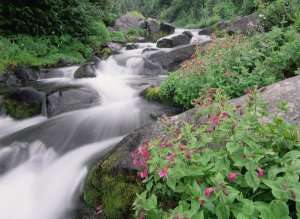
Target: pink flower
250, 24
231, 176
260, 172
136, 163
181, 147
141, 214
144, 152
163, 173
134, 155
248, 91
208, 192
170, 156
144, 174
189, 154
214, 120
143, 163
244, 156
201, 201
225, 115
99, 209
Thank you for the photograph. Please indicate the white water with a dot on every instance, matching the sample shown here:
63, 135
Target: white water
38, 181
45, 185
41, 176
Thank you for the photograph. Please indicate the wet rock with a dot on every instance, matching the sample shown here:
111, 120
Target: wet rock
85, 71
71, 99
207, 31
170, 59
131, 46
23, 103
115, 47
167, 28
188, 34
63, 63
127, 22
174, 41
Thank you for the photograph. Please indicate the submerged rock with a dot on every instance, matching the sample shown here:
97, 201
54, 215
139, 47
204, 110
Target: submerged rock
188, 34
71, 99
85, 71
23, 103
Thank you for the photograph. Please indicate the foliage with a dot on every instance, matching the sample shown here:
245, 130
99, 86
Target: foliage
20, 111
48, 17
230, 165
209, 22
153, 93
137, 32
281, 13
233, 64
225, 10
28, 51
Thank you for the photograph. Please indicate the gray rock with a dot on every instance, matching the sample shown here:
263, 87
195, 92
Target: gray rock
131, 46
63, 63
207, 31
153, 26
167, 28
85, 71
71, 99
174, 41
170, 59
127, 22
188, 34
237, 25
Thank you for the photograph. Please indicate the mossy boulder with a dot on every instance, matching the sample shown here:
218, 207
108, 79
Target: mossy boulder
23, 103
86, 70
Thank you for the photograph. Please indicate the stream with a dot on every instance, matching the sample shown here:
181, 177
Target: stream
44, 161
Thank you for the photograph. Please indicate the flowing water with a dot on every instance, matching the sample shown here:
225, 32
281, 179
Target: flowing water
43, 162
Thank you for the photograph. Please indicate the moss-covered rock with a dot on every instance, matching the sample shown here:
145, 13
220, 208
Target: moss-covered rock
23, 103
153, 93
112, 187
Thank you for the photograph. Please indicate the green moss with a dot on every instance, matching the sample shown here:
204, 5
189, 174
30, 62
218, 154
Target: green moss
21, 111
118, 36
113, 188
153, 93
105, 53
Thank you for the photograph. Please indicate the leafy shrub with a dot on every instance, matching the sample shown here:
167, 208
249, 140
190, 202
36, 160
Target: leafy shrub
28, 51
233, 64
117, 35
211, 21
280, 13
230, 165
136, 14
137, 32
225, 10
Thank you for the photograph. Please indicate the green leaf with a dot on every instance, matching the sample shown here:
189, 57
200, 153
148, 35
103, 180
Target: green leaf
222, 212
242, 216
279, 209
171, 182
283, 106
199, 215
248, 207
149, 185
252, 180
232, 147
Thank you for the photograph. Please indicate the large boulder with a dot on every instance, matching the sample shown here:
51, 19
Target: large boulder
153, 27
71, 99
86, 70
189, 34
170, 59
127, 22
23, 103
206, 31
167, 28
119, 162
178, 40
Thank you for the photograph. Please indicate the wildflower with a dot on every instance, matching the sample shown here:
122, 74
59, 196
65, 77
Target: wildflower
231, 176
181, 147
163, 173
189, 155
136, 163
201, 201
225, 192
244, 156
248, 91
99, 209
225, 115
141, 214
170, 156
177, 133
250, 24
144, 174
197, 101
260, 172
144, 152
208, 192
143, 163
214, 120
134, 155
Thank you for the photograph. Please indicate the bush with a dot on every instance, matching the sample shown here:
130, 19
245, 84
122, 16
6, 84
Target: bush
34, 52
205, 22
233, 64
280, 13
225, 10
230, 165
